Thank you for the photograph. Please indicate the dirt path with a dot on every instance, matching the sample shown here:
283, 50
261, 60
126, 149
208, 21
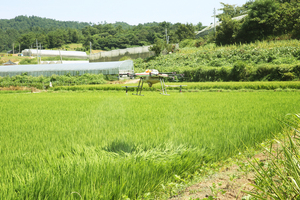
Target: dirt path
227, 184
132, 81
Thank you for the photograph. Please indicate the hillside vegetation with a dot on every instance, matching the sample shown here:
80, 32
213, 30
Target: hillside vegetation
258, 61
267, 19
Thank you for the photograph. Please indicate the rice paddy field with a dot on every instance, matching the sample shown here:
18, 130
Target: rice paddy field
109, 145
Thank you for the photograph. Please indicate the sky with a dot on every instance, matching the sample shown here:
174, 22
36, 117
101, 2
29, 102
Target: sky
132, 12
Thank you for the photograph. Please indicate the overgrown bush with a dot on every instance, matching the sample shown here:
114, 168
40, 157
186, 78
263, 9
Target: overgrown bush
28, 61
262, 61
42, 82
187, 43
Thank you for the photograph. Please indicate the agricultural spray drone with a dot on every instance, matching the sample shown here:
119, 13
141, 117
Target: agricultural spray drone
151, 77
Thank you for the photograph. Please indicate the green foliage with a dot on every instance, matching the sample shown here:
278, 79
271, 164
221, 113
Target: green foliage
56, 58
266, 19
185, 31
239, 72
125, 58
187, 43
108, 145
54, 34
28, 61
265, 61
226, 31
199, 27
257, 25
285, 18
25, 30
230, 11
278, 176
158, 47
42, 82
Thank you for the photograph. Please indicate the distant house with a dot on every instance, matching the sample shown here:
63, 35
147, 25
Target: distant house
9, 63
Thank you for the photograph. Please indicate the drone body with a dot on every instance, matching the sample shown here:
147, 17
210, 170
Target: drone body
151, 77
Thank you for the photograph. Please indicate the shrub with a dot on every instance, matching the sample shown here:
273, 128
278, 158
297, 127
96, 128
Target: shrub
28, 61
239, 71
288, 76
125, 58
187, 43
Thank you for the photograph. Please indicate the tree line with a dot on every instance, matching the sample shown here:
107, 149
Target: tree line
266, 20
24, 31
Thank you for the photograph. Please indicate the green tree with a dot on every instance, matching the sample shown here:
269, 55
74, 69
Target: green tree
27, 40
158, 47
226, 31
199, 26
233, 10
185, 31
257, 25
285, 18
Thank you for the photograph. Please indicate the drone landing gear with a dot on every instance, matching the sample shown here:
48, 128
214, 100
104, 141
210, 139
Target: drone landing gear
163, 87
139, 88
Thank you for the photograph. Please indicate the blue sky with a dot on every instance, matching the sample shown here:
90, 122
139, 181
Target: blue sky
131, 11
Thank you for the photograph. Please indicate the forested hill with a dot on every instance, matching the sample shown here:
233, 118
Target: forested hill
22, 32
28, 23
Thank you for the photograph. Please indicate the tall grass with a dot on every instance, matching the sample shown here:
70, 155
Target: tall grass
97, 145
279, 177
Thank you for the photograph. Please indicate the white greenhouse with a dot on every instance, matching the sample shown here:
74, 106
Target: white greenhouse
105, 68
53, 53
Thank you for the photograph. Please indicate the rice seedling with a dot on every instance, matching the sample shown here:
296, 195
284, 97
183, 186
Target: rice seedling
109, 145
274, 85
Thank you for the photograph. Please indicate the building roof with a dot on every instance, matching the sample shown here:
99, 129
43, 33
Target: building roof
9, 62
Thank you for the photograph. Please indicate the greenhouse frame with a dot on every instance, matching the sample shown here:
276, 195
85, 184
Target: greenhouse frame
53, 53
105, 68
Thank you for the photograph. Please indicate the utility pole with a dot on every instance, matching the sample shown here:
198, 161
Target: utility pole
40, 53
37, 51
13, 48
60, 57
215, 21
90, 48
19, 48
167, 41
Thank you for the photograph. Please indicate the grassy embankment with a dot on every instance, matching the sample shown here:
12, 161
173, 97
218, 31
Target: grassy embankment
260, 61
112, 146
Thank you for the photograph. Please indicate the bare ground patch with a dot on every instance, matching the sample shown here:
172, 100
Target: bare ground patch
227, 184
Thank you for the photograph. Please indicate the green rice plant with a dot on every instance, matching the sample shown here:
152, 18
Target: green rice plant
109, 145
277, 86
279, 177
